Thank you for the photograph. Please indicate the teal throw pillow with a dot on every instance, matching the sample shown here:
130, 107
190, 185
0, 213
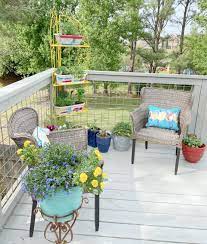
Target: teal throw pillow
163, 118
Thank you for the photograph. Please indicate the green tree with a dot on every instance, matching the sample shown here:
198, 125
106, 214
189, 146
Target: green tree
27, 23
197, 42
156, 14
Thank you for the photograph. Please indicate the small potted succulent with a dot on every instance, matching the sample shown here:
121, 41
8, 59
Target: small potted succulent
93, 130
121, 135
66, 75
59, 176
73, 101
103, 140
193, 148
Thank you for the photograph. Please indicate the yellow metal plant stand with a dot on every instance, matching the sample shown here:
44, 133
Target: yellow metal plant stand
80, 52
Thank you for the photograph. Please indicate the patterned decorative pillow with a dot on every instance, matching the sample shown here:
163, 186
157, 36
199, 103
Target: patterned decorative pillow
163, 118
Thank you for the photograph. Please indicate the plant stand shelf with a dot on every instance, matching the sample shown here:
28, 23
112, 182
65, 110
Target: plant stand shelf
61, 230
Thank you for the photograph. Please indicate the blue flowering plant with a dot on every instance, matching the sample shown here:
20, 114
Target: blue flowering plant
60, 167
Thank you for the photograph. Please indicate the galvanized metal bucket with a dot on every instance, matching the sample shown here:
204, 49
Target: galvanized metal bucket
121, 143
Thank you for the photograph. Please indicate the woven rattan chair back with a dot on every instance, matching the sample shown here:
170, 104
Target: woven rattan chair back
23, 120
166, 98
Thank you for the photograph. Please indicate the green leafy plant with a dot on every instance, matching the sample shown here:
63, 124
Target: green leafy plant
80, 95
75, 96
122, 129
93, 126
68, 28
60, 123
76, 70
63, 70
60, 167
192, 140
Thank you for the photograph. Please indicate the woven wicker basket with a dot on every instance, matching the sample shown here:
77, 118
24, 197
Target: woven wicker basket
75, 137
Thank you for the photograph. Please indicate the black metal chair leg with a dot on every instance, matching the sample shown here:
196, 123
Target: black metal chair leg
176, 152
97, 212
32, 221
177, 159
146, 144
133, 150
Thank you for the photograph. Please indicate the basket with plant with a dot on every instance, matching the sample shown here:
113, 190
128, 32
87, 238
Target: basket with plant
72, 101
69, 35
66, 132
73, 74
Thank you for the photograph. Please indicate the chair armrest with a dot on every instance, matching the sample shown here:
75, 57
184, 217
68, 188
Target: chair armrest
185, 119
20, 138
139, 117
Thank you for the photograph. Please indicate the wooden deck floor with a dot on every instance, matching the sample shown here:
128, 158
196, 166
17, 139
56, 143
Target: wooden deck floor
143, 203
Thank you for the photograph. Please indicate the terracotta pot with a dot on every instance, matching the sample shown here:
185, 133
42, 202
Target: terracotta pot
192, 154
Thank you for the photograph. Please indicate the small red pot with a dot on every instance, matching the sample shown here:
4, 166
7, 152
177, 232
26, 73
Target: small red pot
192, 154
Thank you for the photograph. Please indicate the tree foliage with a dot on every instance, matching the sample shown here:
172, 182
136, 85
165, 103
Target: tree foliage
156, 14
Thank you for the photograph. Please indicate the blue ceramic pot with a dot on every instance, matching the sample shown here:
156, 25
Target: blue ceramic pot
62, 203
92, 137
103, 143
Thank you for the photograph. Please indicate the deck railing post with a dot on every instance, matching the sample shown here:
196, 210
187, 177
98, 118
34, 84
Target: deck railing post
201, 123
1, 215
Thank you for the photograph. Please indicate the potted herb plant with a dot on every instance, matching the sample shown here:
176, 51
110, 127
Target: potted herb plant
193, 148
68, 35
103, 140
63, 74
73, 101
73, 74
59, 177
92, 132
121, 134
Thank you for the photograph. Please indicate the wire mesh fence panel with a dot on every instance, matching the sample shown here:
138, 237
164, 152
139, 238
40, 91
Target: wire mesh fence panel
11, 167
112, 102
108, 103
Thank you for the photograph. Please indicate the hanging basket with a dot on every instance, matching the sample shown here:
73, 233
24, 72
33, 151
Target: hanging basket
69, 109
76, 137
69, 39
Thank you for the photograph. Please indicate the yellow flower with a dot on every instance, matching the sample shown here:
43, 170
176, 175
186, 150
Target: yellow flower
27, 143
97, 172
83, 177
94, 183
102, 185
98, 154
22, 157
104, 175
19, 151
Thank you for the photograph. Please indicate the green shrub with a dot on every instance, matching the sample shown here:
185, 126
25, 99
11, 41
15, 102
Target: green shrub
122, 129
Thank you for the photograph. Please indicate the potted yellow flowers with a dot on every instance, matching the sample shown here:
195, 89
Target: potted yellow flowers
58, 176
91, 176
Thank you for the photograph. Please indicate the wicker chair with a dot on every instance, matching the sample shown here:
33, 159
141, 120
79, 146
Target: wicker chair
21, 126
165, 99
23, 122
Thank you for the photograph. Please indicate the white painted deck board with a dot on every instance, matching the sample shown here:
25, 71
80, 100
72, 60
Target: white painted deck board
143, 203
